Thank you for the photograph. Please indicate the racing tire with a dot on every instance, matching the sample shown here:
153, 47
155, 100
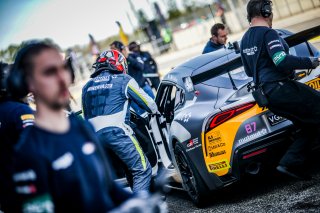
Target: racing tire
191, 180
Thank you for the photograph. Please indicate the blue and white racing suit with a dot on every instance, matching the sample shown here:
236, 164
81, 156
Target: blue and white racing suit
106, 102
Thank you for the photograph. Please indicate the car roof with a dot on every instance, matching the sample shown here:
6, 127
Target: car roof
205, 62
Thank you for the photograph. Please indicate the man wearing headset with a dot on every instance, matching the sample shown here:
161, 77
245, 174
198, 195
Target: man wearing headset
135, 70
59, 164
15, 116
106, 101
266, 58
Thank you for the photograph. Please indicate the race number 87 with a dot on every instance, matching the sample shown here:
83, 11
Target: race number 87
250, 127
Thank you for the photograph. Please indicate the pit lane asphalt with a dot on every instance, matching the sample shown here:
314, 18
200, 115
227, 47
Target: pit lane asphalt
271, 192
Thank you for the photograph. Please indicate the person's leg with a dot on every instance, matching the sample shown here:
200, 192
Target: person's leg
299, 104
129, 151
299, 150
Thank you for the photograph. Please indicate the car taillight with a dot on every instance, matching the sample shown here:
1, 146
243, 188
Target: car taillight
227, 115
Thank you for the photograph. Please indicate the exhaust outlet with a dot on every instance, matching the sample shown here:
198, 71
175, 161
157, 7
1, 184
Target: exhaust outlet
253, 168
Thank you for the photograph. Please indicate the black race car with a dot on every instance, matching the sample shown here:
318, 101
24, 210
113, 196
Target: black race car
211, 131
211, 128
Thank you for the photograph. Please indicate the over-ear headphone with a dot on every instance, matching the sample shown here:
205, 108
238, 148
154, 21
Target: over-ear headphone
266, 8
16, 82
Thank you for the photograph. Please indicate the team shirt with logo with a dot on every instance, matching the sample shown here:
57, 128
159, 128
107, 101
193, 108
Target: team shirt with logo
63, 173
14, 118
264, 50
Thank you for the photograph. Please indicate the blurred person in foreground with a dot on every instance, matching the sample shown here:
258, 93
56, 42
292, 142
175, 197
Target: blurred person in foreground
15, 116
135, 70
106, 101
219, 36
59, 164
266, 58
150, 65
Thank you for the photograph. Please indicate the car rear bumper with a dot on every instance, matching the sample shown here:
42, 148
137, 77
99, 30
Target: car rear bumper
265, 151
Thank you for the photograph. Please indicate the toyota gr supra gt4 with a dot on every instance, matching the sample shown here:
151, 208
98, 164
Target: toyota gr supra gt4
210, 131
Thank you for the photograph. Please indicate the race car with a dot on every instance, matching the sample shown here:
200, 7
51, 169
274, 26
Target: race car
211, 128
210, 131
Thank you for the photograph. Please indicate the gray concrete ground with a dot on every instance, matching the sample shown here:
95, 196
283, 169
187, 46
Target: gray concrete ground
271, 192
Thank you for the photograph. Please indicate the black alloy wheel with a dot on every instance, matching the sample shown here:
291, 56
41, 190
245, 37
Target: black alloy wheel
191, 180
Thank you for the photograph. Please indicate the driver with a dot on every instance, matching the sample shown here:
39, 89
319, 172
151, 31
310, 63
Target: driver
106, 101
266, 58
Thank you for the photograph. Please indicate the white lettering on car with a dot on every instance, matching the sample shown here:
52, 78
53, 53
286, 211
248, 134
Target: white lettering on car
253, 136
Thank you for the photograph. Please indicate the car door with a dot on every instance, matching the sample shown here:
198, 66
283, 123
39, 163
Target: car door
168, 99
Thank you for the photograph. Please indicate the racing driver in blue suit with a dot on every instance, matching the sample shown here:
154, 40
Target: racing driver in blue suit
106, 100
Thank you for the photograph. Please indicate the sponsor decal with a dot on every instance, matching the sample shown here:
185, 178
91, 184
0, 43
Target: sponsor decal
251, 127
30, 189
314, 84
274, 46
27, 117
214, 137
212, 147
253, 136
102, 86
218, 166
274, 41
63, 162
27, 120
192, 142
275, 119
88, 148
28, 175
250, 51
278, 57
185, 117
39, 204
192, 148
214, 154
101, 79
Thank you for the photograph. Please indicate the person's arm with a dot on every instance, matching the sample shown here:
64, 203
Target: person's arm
136, 63
282, 60
84, 101
135, 93
31, 182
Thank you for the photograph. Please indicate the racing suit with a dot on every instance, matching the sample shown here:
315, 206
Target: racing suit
14, 118
135, 70
266, 54
64, 172
106, 102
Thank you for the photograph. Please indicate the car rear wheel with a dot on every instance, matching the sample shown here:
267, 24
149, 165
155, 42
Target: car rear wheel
191, 180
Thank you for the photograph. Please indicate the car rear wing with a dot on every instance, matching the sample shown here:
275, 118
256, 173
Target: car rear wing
236, 62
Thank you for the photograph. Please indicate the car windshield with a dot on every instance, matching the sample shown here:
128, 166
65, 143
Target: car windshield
238, 75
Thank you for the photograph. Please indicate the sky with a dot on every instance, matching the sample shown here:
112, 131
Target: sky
66, 22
